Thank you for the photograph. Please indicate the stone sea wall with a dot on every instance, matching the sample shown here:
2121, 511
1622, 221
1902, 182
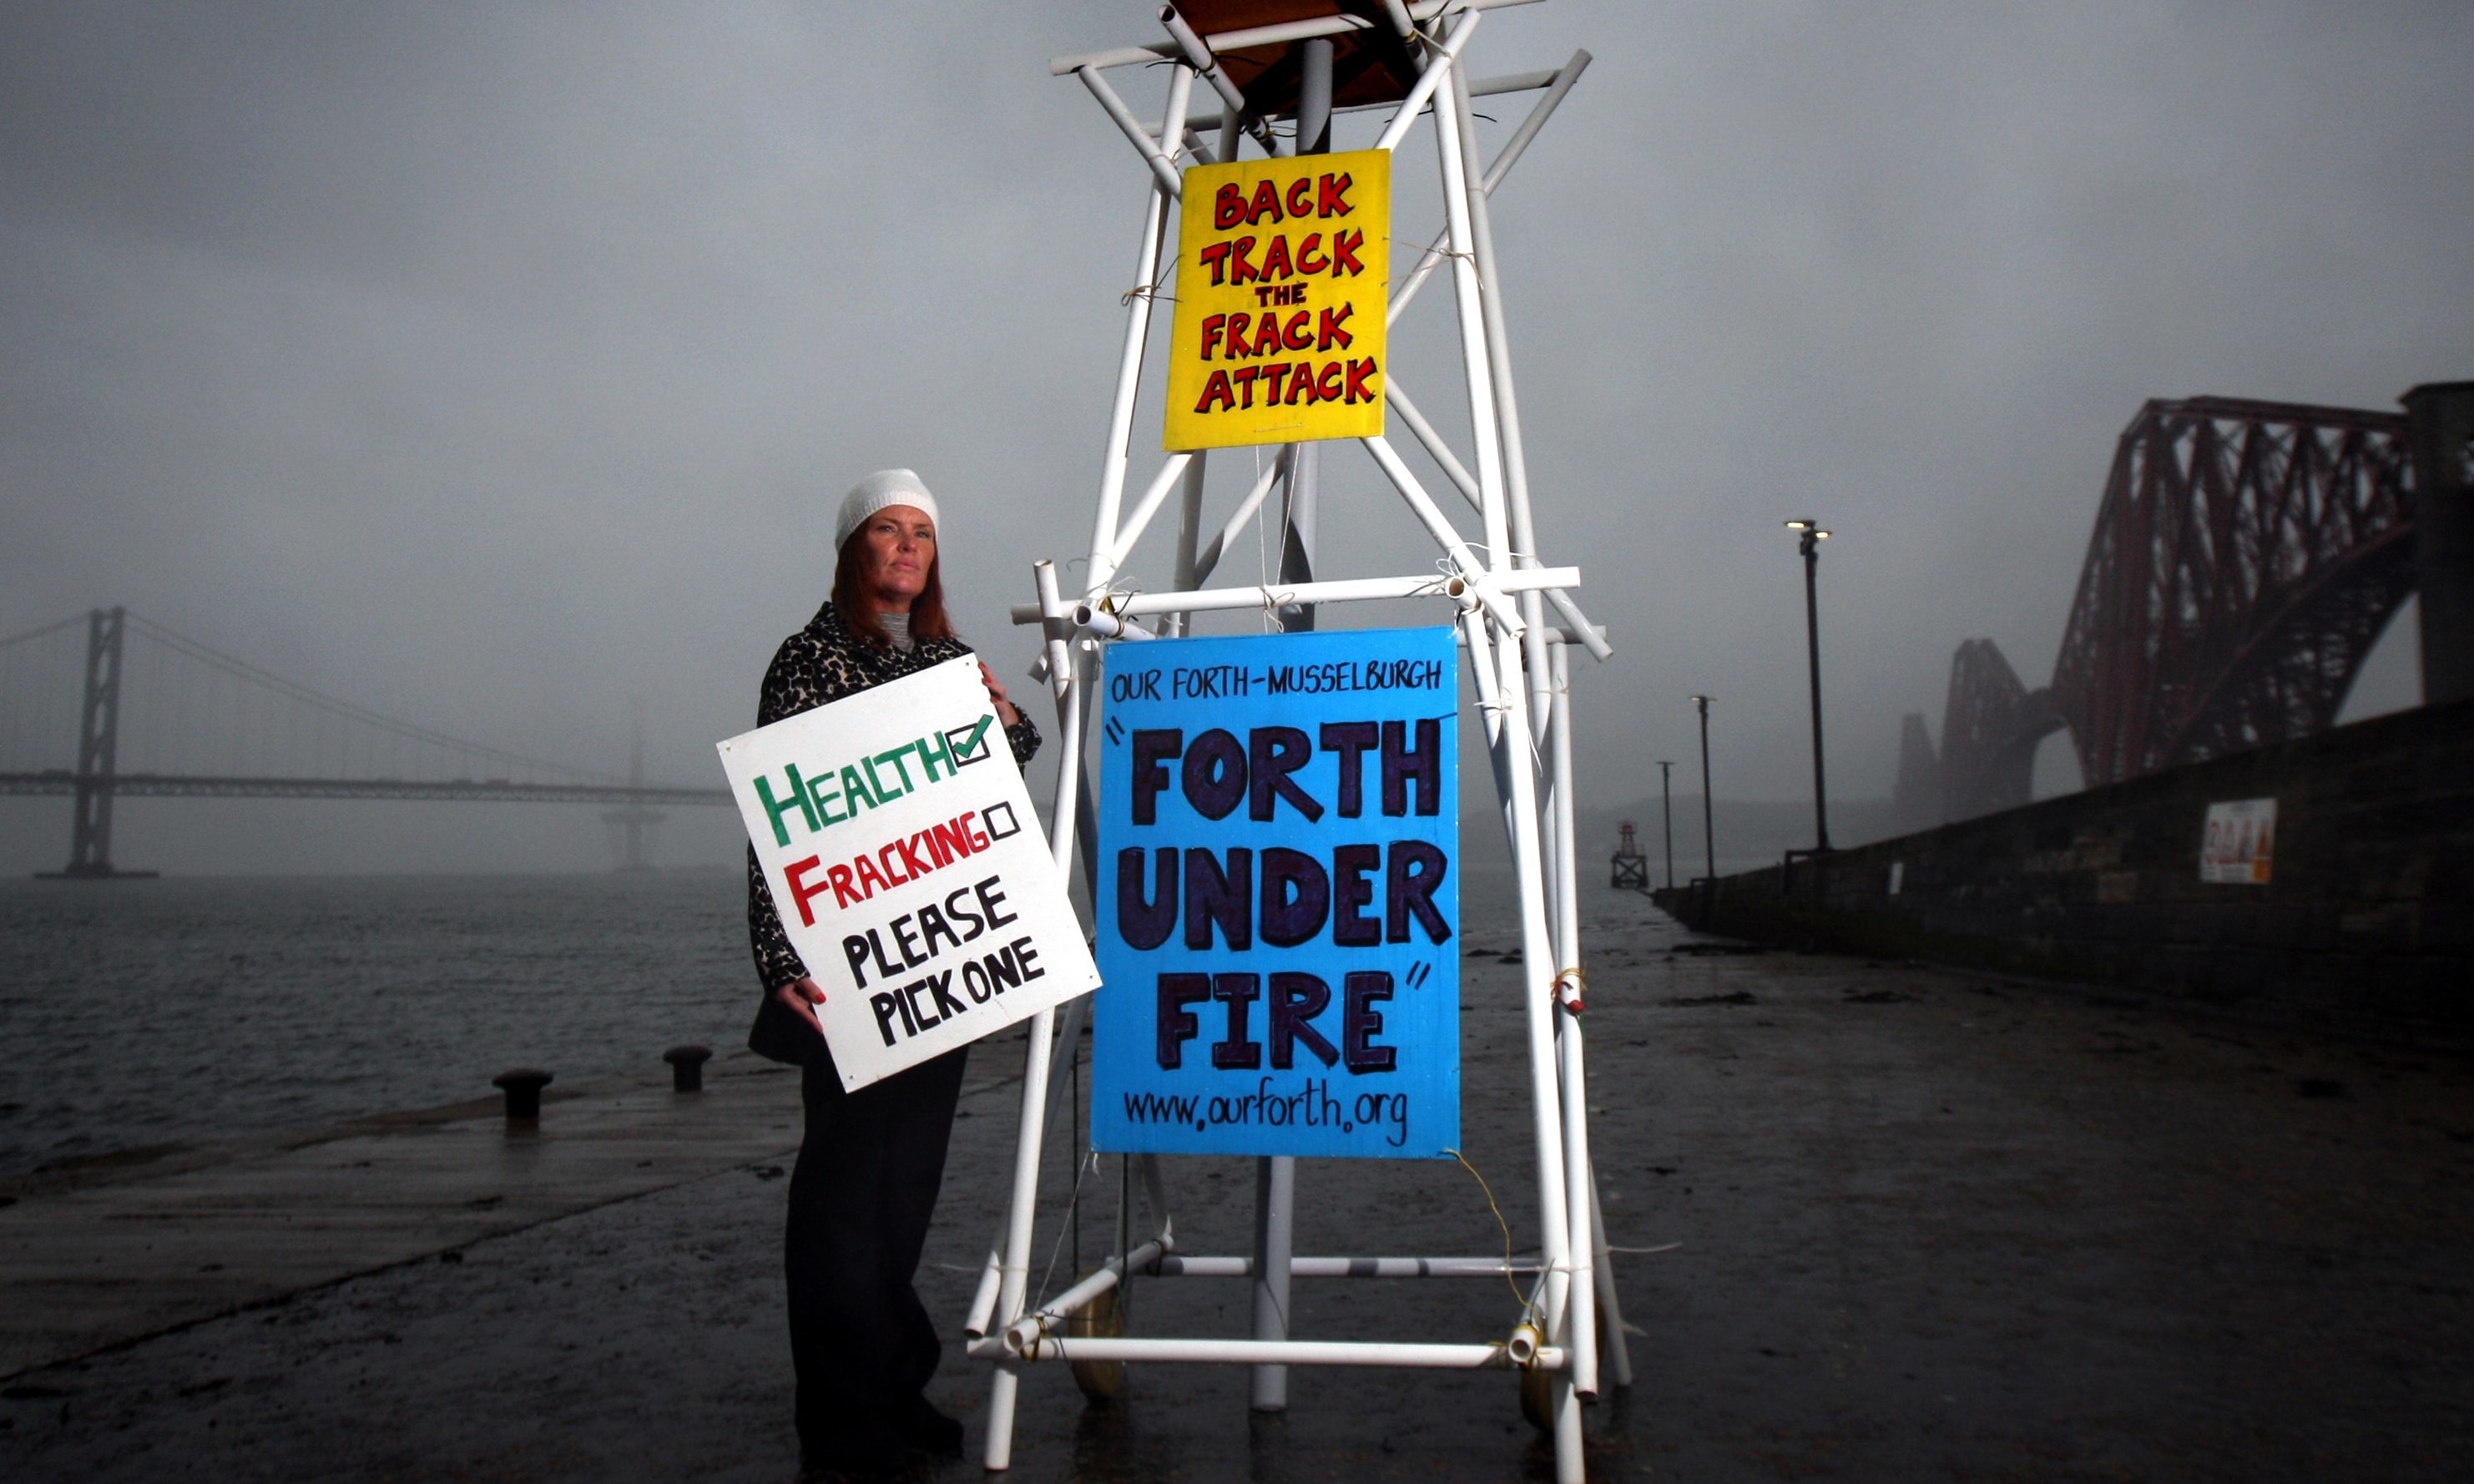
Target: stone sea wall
2365, 922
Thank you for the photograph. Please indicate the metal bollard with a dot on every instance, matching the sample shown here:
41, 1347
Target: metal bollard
523, 1085
687, 1067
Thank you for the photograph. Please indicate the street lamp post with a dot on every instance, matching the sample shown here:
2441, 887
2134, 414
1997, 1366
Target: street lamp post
1709, 831
1812, 536
1666, 813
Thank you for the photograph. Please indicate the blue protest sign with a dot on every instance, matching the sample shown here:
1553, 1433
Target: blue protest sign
1279, 896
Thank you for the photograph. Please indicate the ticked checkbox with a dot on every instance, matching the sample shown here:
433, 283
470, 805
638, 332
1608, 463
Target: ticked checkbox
969, 745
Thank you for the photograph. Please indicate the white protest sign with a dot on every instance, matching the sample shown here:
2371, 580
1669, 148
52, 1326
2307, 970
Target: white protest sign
2238, 844
899, 842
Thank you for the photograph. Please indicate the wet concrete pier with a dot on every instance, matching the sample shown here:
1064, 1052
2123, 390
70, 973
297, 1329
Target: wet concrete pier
117, 1249
1908, 1223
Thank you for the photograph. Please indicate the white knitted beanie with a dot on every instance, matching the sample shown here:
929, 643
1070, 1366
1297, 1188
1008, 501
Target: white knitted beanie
879, 490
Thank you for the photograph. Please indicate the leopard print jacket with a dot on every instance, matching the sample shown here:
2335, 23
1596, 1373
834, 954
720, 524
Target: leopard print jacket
827, 661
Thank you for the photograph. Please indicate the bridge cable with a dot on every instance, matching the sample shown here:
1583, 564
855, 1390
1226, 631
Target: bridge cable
242, 670
70, 622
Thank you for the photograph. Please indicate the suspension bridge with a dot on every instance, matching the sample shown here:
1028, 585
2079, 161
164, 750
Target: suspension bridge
108, 705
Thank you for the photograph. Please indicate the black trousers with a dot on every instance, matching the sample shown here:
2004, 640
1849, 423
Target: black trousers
861, 1198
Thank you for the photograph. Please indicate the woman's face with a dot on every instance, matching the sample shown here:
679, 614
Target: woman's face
897, 544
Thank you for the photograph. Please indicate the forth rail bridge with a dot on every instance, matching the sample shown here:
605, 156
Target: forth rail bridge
138, 709
2246, 557
2230, 842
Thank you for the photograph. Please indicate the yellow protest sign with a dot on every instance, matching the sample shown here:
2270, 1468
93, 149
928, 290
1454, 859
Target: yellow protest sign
1282, 270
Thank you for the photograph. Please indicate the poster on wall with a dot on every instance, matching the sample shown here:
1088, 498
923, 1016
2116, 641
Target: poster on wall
911, 874
2238, 844
1283, 270
1279, 896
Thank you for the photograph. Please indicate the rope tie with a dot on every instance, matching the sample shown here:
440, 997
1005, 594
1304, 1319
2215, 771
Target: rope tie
1528, 1309
1082, 1170
1426, 250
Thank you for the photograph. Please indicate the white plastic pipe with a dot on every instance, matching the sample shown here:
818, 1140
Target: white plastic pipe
1479, 380
1507, 408
1197, 55
983, 1299
1556, 634
1209, 557
1131, 531
1593, 637
1163, 168
1285, 1352
1446, 536
1579, 1183
1275, 1198
1610, 1307
1489, 699
1479, 87
1504, 161
1051, 614
1513, 148
1005, 1384
1129, 358
1181, 1266
1067, 1041
1590, 635
1340, 590
1559, 758
1436, 254
1099, 622
1030, 1327
1517, 776
1263, 35
1432, 442
1189, 537
1147, 1168
1439, 66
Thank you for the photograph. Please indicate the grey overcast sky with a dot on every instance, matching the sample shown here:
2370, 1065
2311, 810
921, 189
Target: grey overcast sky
501, 366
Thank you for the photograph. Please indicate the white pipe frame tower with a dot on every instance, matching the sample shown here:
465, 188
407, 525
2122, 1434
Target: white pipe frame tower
1495, 589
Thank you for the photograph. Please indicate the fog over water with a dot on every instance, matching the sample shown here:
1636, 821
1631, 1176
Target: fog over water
500, 368
299, 1001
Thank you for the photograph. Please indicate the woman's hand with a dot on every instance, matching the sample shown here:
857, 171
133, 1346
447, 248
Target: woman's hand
1005, 714
802, 996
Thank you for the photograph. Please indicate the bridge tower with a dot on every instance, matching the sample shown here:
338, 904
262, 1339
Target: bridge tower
630, 822
2439, 432
1917, 801
98, 750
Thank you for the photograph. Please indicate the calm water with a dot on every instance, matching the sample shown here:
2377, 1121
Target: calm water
144, 1013
180, 1011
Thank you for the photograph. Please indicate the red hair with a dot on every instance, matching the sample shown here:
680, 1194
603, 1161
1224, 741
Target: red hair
854, 602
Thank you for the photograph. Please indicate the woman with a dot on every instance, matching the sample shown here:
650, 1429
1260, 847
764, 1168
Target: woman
871, 1161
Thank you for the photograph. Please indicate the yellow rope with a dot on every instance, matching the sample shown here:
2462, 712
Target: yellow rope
1520, 1298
